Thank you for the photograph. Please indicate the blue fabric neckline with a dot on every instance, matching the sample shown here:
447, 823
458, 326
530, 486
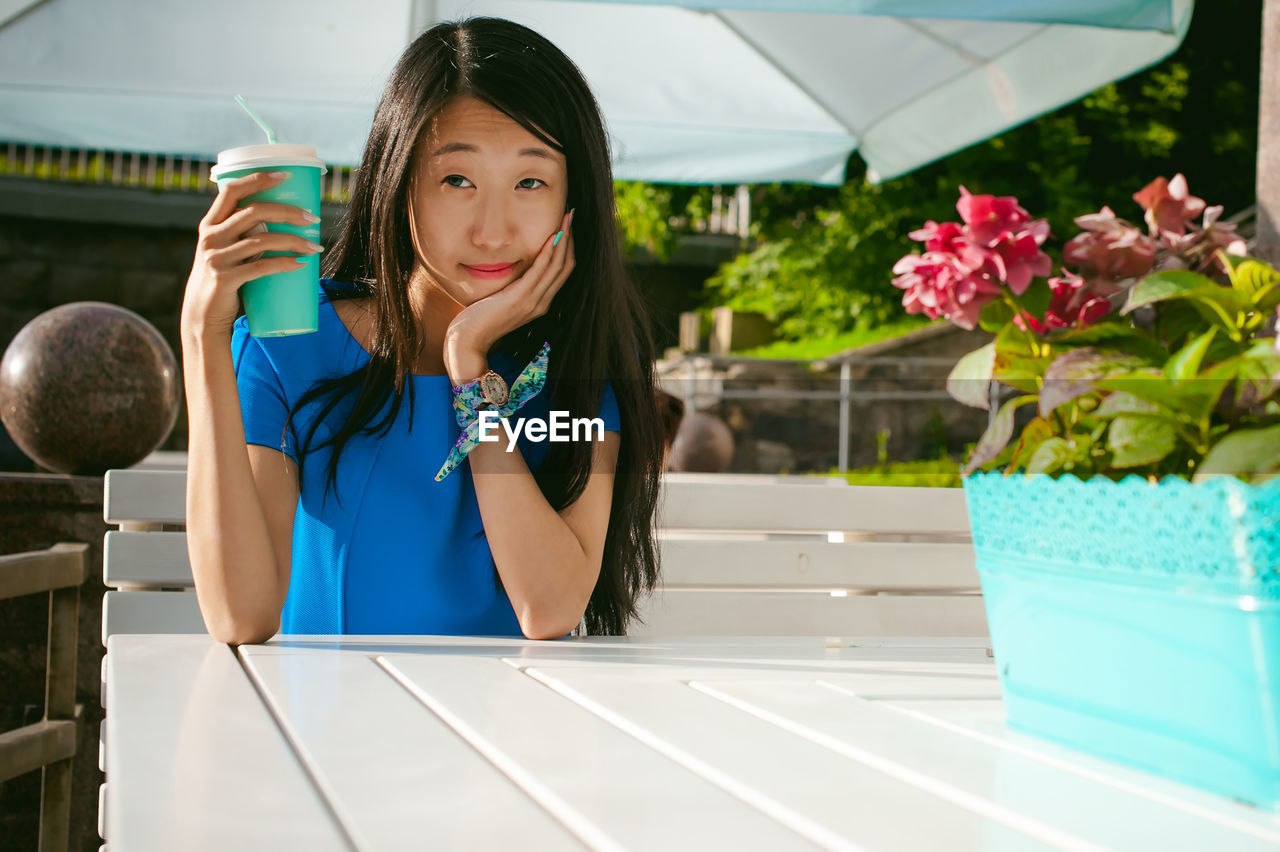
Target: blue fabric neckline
500, 360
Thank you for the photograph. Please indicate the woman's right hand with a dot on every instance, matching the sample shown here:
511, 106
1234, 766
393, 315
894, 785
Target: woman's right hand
225, 253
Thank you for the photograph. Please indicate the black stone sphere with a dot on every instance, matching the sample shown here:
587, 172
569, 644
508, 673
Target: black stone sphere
703, 444
87, 387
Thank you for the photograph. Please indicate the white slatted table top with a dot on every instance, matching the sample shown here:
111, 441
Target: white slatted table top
698, 743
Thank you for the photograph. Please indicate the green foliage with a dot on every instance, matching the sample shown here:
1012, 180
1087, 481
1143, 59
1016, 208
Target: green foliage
644, 216
651, 216
823, 273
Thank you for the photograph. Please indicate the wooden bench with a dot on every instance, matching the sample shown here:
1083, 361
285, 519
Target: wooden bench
50, 744
742, 554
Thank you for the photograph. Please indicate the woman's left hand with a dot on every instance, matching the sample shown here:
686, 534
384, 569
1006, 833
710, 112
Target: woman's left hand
478, 326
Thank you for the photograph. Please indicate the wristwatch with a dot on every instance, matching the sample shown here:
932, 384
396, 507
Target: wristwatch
490, 389
493, 388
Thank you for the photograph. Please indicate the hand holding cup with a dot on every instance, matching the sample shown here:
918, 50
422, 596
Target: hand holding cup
230, 251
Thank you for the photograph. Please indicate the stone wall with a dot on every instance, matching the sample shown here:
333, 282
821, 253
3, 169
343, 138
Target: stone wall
779, 435
62, 242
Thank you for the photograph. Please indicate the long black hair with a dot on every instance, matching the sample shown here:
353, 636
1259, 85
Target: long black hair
596, 323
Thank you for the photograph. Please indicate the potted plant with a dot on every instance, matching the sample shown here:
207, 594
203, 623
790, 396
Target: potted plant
1125, 499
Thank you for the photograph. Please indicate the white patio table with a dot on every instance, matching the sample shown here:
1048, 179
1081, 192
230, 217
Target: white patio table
711, 743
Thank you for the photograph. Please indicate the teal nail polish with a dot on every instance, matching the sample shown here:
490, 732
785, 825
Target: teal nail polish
556, 241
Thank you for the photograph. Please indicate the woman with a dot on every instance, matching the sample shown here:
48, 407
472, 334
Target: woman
480, 237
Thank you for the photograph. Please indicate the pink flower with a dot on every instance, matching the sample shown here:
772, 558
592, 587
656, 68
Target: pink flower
1198, 248
1110, 247
937, 285
1007, 235
1073, 305
1017, 258
1168, 205
990, 218
951, 238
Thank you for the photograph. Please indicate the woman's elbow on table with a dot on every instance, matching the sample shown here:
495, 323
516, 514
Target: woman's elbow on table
234, 634
549, 629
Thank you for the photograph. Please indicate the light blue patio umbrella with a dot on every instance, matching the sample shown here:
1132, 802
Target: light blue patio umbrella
693, 91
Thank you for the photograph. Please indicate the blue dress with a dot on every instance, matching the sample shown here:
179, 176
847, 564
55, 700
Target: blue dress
394, 552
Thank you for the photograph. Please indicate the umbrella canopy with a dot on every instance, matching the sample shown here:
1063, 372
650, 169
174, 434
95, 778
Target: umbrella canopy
693, 91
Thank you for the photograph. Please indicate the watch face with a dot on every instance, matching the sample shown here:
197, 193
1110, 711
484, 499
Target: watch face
493, 388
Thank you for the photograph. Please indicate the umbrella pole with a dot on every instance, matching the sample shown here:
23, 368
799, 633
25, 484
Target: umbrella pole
1268, 185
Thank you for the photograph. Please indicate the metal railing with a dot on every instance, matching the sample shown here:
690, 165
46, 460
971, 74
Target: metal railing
49, 744
692, 390
163, 172
730, 211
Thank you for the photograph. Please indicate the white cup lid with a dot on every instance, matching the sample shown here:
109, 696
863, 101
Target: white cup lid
257, 156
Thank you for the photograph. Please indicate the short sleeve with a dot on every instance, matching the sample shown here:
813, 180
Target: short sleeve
263, 404
608, 411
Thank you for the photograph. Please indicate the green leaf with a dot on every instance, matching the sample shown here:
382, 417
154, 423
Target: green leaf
1193, 399
1015, 365
970, 379
1266, 301
1119, 402
1051, 455
1217, 304
1178, 323
995, 315
1221, 305
1033, 435
1248, 453
1185, 364
1137, 440
1251, 276
1014, 341
1035, 299
1164, 285
1020, 371
997, 435
1117, 336
1074, 373
1200, 395
1258, 374
1149, 385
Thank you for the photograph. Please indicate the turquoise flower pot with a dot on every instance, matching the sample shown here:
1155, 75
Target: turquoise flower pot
1138, 621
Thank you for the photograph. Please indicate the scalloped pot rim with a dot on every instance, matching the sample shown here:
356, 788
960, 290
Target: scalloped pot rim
1270, 483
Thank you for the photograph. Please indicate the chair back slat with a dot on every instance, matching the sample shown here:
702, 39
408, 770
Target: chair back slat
131, 559
862, 566
813, 508
150, 612
150, 496
673, 612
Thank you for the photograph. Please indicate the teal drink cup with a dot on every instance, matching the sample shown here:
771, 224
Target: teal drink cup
283, 303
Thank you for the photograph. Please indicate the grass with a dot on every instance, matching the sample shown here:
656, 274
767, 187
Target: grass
820, 348
932, 473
